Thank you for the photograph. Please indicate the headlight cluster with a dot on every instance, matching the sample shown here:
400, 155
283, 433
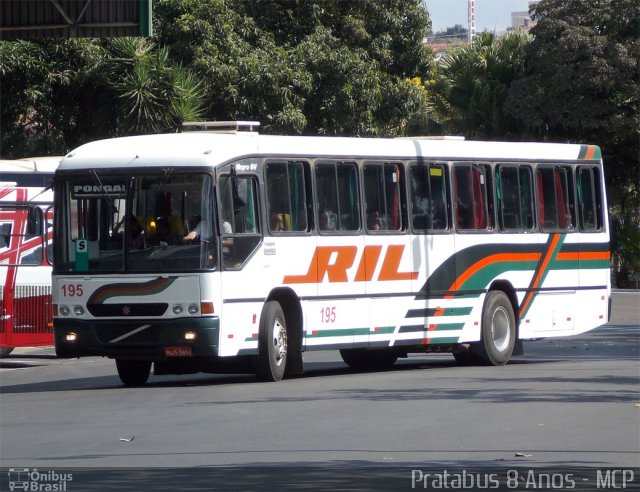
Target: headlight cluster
178, 309
65, 310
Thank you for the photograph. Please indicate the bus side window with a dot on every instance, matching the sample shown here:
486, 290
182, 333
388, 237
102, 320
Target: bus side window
555, 198
288, 192
589, 198
238, 219
383, 196
428, 188
514, 190
5, 235
471, 200
23, 233
337, 192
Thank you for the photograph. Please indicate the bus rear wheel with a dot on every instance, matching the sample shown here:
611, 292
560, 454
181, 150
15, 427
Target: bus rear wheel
272, 343
376, 359
498, 330
133, 372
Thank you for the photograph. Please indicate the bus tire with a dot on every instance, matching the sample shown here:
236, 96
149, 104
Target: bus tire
498, 330
376, 359
272, 343
5, 351
133, 372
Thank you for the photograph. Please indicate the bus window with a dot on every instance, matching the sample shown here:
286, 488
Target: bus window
337, 191
383, 196
23, 234
428, 197
515, 198
589, 198
555, 198
238, 218
287, 196
471, 201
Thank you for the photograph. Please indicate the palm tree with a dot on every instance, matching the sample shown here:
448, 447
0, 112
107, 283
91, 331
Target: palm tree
477, 80
153, 95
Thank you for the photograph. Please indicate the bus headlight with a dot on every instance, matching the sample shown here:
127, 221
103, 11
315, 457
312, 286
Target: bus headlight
177, 308
71, 337
193, 308
78, 310
189, 335
64, 310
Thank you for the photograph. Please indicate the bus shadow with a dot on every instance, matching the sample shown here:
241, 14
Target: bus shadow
313, 370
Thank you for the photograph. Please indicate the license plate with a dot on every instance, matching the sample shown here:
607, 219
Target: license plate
178, 351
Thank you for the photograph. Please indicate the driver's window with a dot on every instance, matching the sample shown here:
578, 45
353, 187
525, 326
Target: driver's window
238, 219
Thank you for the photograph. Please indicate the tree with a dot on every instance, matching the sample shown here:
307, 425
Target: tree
582, 85
475, 83
303, 67
67, 92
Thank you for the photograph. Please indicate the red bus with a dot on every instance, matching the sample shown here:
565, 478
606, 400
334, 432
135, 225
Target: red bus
26, 220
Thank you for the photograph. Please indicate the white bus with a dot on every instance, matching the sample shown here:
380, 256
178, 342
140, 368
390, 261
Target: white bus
26, 215
216, 252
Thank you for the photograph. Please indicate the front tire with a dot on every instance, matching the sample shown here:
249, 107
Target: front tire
133, 372
498, 330
272, 343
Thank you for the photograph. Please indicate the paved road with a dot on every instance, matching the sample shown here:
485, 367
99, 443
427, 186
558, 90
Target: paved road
566, 402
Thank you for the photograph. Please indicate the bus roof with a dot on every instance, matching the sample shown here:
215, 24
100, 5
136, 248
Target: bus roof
212, 149
47, 164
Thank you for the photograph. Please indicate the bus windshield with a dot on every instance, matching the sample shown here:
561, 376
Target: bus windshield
146, 222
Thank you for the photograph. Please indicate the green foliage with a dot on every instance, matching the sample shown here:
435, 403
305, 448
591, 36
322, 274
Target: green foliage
476, 80
57, 94
303, 67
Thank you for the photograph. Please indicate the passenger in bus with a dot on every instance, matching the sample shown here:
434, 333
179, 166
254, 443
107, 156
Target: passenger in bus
327, 220
135, 232
374, 221
278, 222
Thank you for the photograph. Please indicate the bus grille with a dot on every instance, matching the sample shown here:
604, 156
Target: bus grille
130, 309
29, 311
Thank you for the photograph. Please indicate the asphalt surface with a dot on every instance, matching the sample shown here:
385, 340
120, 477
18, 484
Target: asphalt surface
567, 403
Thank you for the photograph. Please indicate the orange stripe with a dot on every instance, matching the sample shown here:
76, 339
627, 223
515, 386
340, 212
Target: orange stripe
591, 255
543, 268
591, 150
469, 272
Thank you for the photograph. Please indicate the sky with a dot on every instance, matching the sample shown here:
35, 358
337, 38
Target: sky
491, 15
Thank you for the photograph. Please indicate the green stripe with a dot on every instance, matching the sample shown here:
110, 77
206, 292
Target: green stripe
347, 332
485, 275
435, 341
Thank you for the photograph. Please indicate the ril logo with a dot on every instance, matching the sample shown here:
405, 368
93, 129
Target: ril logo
334, 261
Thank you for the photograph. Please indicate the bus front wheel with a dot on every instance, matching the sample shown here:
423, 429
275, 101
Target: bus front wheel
133, 372
272, 343
498, 330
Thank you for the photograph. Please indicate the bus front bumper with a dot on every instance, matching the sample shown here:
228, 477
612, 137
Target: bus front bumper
154, 340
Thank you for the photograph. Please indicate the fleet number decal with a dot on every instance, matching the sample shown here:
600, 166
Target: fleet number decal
72, 290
